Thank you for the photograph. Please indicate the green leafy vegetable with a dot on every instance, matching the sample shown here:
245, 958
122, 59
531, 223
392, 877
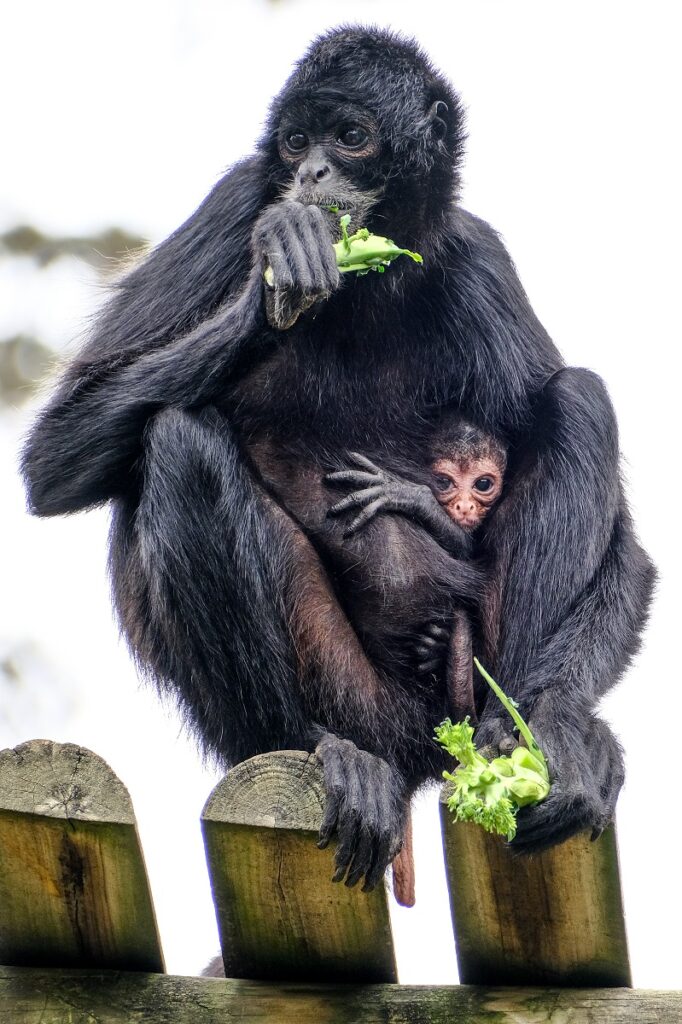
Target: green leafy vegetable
360, 252
490, 793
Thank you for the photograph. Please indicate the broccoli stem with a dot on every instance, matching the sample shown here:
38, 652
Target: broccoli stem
523, 728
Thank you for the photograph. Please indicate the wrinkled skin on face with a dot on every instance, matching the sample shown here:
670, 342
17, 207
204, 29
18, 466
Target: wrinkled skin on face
467, 489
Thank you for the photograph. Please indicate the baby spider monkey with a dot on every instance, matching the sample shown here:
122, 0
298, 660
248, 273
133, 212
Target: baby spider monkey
459, 484
463, 482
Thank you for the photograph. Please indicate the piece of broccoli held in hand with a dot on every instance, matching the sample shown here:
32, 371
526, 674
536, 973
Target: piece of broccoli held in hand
360, 252
490, 793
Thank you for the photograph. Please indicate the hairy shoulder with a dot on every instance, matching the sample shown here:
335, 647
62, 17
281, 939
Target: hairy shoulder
185, 278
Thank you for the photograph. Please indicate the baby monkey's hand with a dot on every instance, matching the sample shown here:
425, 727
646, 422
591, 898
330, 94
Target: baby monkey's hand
376, 490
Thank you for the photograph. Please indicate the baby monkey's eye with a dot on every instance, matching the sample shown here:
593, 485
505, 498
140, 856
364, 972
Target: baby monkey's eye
484, 483
443, 483
352, 137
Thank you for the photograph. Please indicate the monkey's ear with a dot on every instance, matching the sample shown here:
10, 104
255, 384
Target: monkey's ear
436, 117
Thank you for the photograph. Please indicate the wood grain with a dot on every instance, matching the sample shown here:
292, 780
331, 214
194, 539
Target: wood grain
553, 918
279, 915
73, 885
80, 997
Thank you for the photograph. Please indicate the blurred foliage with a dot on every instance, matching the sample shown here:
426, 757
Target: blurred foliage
102, 251
33, 695
24, 362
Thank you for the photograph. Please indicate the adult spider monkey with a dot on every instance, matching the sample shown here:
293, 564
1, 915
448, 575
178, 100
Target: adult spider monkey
210, 428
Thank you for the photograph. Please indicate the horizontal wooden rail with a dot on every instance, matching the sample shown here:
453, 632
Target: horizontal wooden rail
279, 914
36, 996
73, 885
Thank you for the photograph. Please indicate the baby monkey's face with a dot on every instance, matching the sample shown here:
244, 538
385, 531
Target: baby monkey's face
467, 488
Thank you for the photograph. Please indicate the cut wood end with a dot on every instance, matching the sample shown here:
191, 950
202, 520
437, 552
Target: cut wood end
62, 780
282, 789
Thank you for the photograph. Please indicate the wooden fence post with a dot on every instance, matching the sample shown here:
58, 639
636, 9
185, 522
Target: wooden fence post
279, 915
555, 918
73, 885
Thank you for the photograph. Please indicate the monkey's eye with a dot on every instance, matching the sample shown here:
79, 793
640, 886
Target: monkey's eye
443, 483
296, 141
353, 137
484, 483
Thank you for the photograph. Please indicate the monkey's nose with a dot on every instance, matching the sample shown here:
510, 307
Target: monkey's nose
313, 172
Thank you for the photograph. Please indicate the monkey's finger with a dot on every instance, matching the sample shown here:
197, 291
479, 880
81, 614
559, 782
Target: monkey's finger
315, 230
358, 499
349, 827
383, 855
365, 516
363, 461
298, 255
329, 820
362, 858
436, 631
427, 643
350, 476
275, 256
335, 785
428, 666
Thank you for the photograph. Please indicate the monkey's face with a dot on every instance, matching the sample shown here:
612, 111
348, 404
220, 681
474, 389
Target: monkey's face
333, 153
467, 488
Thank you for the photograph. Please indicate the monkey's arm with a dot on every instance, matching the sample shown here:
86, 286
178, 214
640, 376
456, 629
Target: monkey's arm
380, 491
84, 446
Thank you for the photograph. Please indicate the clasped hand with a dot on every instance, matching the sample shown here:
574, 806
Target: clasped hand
296, 242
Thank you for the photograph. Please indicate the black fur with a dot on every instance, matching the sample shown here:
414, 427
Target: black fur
211, 432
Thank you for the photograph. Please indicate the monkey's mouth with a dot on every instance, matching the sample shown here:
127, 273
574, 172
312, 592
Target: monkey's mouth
340, 203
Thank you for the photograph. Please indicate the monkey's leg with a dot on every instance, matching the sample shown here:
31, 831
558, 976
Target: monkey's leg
225, 603
197, 568
574, 588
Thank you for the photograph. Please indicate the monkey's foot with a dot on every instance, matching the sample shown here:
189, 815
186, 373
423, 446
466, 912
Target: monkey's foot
365, 805
586, 771
566, 811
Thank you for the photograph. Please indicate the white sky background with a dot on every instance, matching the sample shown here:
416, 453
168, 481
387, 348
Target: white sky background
127, 113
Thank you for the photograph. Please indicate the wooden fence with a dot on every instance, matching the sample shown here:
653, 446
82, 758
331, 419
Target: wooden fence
79, 943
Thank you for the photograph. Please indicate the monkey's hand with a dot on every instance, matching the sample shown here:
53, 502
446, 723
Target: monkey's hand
296, 242
366, 807
377, 490
432, 648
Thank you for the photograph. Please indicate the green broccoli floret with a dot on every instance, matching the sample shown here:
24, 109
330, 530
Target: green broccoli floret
490, 793
360, 252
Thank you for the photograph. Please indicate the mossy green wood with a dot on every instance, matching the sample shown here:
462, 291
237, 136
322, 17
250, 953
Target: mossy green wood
553, 918
73, 885
30, 996
279, 914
